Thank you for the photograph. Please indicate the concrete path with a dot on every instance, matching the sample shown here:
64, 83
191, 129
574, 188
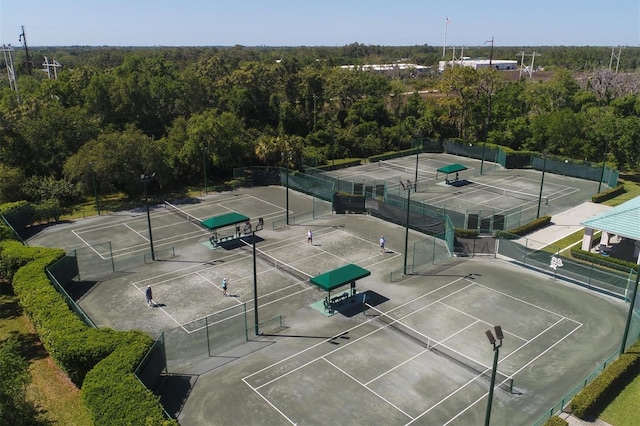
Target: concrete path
563, 224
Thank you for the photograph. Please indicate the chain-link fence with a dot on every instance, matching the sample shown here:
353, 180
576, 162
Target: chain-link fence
606, 279
586, 170
61, 275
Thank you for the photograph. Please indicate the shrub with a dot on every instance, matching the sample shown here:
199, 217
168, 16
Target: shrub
609, 194
597, 394
556, 421
525, 229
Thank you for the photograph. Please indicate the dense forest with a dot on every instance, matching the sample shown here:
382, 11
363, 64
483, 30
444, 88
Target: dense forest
112, 114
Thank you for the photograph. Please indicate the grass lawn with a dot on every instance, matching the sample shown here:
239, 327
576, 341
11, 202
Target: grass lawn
50, 389
623, 411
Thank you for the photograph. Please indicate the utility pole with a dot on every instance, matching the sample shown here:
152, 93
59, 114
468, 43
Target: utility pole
8, 60
23, 39
52, 65
529, 69
613, 55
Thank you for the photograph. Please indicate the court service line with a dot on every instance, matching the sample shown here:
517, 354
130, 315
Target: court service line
163, 310
236, 299
257, 388
127, 226
339, 334
528, 303
271, 404
521, 368
480, 320
370, 390
88, 245
240, 314
266, 202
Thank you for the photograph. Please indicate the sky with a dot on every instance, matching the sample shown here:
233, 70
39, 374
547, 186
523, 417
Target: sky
320, 23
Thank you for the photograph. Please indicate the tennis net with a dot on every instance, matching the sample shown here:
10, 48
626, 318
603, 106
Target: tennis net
281, 266
184, 215
406, 170
510, 192
503, 381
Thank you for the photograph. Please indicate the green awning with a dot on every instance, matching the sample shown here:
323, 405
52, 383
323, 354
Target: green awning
452, 168
223, 220
339, 277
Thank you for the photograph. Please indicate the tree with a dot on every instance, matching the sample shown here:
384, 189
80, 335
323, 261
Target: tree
462, 86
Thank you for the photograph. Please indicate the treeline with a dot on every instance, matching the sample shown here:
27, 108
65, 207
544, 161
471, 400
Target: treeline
115, 114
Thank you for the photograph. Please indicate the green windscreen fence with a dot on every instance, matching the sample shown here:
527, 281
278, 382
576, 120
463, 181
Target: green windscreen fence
18, 219
62, 274
479, 151
607, 279
586, 170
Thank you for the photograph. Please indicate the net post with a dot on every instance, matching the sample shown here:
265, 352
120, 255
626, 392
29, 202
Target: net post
113, 265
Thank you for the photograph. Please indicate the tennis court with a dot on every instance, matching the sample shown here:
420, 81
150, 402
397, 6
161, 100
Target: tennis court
410, 352
496, 191
418, 354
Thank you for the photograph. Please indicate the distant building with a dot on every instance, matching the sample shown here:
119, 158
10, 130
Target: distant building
498, 64
390, 69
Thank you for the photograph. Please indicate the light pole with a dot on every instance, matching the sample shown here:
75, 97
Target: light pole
255, 285
544, 168
333, 142
315, 117
406, 229
144, 178
205, 151
630, 314
486, 131
604, 163
288, 160
95, 188
496, 351
399, 135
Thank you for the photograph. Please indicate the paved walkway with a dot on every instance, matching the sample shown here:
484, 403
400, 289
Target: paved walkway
562, 225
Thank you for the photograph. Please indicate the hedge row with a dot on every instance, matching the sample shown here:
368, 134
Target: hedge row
556, 421
609, 194
102, 360
609, 262
596, 395
525, 229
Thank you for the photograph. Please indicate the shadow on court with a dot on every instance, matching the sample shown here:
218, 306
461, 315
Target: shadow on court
358, 304
239, 242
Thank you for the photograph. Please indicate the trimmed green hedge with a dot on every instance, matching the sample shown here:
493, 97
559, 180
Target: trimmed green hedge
610, 262
465, 233
101, 360
556, 421
525, 229
609, 194
596, 395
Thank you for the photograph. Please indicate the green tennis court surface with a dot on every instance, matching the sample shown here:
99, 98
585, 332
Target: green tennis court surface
417, 356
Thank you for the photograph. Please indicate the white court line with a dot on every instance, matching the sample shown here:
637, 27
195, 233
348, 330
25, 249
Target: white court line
87, 244
280, 208
346, 331
370, 390
523, 367
526, 303
130, 228
256, 389
236, 299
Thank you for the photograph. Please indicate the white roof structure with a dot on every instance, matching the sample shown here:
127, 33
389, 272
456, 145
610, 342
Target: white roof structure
387, 67
499, 64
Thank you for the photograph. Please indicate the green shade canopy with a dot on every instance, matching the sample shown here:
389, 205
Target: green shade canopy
339, 277
223, 220
452, 168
